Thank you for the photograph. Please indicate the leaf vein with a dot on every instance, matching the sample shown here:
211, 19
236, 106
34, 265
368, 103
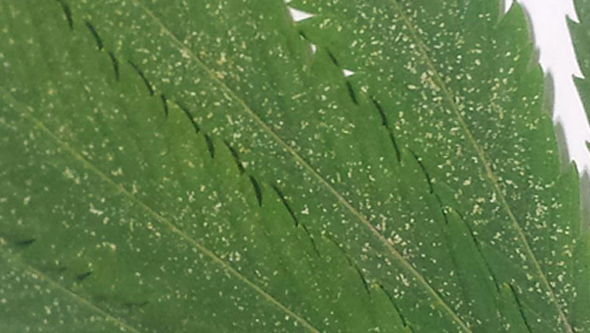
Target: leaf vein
405, 264
161, 219
34, 273
482, 155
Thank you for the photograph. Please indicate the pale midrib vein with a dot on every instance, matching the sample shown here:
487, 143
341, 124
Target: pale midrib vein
34, 273
163, 220
308, 167
480, 152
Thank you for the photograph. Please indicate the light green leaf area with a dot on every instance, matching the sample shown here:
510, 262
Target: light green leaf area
581, 36
198, 166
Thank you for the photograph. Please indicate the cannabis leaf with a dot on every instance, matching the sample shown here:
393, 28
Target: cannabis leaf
581, 35
211, 165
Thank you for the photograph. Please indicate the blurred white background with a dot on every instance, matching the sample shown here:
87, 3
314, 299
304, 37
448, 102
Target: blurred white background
557, 57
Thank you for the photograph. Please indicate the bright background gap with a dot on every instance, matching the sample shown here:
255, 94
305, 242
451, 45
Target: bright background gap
557, 57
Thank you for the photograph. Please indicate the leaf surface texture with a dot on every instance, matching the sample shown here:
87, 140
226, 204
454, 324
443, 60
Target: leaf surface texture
183, 166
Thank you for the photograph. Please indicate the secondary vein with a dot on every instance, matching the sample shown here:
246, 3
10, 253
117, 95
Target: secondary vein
34, 273
405, 264
28, 113
481, 154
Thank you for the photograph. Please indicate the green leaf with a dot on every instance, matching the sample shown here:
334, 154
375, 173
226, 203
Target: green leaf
581, 37
188, 166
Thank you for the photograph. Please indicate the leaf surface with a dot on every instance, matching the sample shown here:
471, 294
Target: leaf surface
581, 36
196, 166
